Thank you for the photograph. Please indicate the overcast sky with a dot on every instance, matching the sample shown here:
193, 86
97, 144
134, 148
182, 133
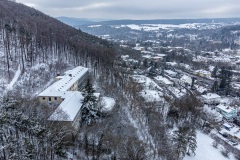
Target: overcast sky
137, 9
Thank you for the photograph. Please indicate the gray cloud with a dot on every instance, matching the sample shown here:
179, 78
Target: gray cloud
138, 9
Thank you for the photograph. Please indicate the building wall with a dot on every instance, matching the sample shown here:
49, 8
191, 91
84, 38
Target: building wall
47, 99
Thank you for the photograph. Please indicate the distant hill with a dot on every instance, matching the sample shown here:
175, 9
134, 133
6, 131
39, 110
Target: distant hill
41, 38
171, 21
78, 21
74, 21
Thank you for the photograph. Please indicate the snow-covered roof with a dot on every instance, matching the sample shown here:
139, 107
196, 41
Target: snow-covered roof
170, 72
146, 56
221, 59
225, 108
139, 78
210, 96
65, 82
69, 108
186, 79
164, 80
201, 71
171, 63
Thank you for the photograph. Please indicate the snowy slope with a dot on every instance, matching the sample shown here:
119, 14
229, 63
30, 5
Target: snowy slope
205, 150
15, 78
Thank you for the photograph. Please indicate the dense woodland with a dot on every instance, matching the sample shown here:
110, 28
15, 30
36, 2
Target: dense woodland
133, 130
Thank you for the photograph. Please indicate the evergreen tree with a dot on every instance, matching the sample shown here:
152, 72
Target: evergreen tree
180, 142
191, 140
145, 63
185, 141
226, 78
193, 80
214, 72
214, 87
89, 108
172, 116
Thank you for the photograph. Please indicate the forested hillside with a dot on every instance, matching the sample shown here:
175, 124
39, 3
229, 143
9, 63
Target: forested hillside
30, 36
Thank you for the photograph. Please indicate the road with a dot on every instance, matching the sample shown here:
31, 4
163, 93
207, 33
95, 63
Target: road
205, 80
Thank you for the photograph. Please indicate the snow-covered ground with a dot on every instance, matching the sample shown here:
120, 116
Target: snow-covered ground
108, 103
205, 150
156, 27
15, 78
152, 95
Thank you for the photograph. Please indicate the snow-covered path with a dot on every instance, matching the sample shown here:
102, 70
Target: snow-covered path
15, 78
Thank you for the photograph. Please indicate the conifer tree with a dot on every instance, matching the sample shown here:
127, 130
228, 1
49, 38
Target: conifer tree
89, 108
191, 140
214, 72
214, 88
180, 141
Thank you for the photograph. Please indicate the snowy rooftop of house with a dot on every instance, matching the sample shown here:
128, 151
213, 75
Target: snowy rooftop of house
157, 57
170, 72
225, 108
202, 71
69, 108
163, 79
171, 63
210, 96
139, 78
161, 55
146, 56
65, 82
186, 79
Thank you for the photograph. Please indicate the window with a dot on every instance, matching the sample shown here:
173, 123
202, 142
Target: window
49, 99
55, 98
43, 98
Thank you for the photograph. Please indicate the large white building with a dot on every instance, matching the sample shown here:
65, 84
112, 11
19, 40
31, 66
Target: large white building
64, 93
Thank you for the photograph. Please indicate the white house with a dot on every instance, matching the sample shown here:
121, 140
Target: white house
164, 80
170, 73
228, 112
186, 79
211, 98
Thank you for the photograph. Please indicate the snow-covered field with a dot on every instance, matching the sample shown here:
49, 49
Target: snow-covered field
156, 27
205, 150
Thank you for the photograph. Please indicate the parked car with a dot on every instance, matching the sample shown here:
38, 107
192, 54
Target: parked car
233, 142
224, 134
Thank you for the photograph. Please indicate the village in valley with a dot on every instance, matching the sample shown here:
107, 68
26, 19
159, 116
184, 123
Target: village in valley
166, 74
166, 67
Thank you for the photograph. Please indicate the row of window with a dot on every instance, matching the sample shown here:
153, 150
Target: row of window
50, 98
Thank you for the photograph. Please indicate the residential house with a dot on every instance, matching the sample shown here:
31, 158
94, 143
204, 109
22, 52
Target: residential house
211, 98
228, 112
186, 80
170, 73
164, 80
203, 73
